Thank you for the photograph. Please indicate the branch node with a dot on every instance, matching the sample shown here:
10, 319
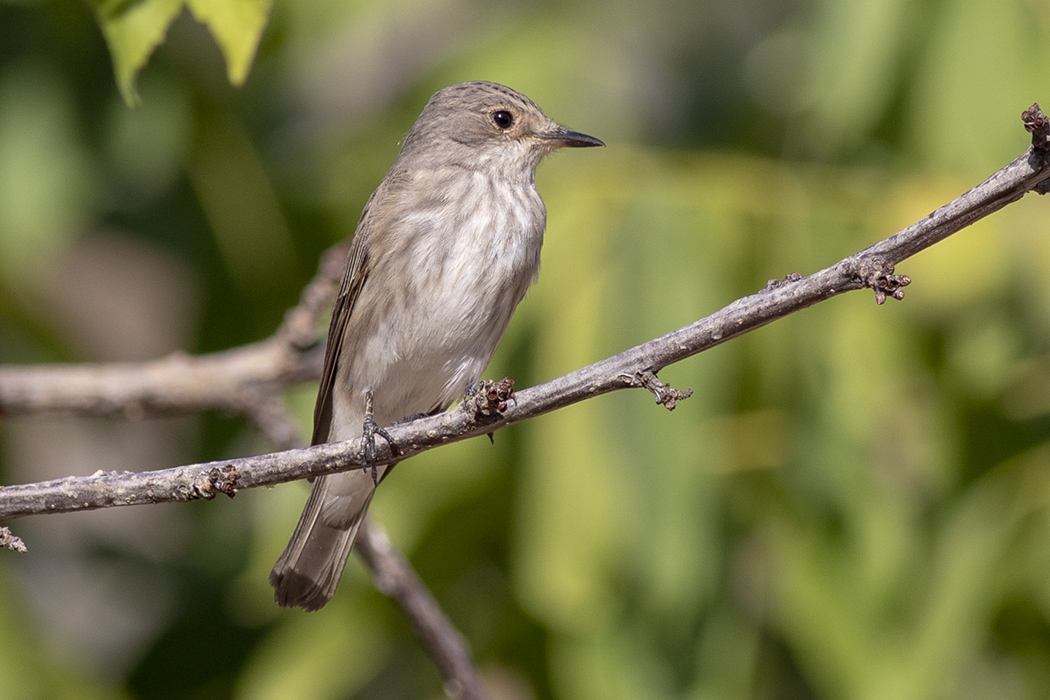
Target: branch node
789, 279
489, 399
1037, 124
11, 541
217, 480
877, 273
666, 395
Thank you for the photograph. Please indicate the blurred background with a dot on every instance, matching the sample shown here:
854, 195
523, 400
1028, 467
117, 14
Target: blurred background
855, 503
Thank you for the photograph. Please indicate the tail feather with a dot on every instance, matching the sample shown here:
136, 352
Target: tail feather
308, 572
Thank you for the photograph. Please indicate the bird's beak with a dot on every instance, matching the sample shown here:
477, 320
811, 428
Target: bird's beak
560, 136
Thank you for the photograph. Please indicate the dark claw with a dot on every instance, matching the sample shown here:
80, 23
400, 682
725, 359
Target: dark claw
414, 416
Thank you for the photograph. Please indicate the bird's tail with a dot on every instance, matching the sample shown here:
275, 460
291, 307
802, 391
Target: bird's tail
308, 572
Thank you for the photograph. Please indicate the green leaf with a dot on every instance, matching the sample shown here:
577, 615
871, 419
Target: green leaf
237, 26
133, 30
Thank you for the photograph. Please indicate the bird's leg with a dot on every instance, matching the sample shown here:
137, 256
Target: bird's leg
369, 431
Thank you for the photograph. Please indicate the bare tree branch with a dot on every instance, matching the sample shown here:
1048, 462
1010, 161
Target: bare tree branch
395, 577
226, 381
174, 384
636, 367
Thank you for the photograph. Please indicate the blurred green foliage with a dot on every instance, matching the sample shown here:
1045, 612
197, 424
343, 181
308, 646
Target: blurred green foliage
855, 503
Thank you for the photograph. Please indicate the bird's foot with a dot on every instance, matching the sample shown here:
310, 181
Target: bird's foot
369, 431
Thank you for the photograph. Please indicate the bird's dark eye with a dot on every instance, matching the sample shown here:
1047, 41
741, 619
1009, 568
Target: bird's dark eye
502, 118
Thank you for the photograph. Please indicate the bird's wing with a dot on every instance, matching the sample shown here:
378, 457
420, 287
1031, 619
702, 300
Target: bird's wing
355, 276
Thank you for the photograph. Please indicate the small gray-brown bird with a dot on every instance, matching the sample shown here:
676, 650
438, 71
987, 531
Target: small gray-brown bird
445, 249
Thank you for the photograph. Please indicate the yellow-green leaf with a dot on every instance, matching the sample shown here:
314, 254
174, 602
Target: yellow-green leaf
237, 26
133, 30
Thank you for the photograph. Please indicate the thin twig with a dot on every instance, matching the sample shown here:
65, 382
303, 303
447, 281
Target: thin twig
299, 327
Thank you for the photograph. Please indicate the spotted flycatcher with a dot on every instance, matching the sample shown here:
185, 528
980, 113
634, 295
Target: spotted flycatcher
444, 251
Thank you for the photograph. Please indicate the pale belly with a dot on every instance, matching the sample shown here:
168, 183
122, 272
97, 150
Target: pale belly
434, 337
